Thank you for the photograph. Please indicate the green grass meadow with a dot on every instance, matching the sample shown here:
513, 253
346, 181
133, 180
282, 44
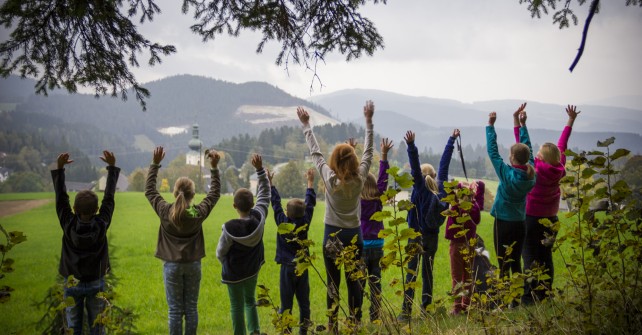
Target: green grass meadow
133, 236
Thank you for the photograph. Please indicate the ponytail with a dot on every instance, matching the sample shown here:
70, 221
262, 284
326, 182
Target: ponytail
530, 171
431, 184
184, 193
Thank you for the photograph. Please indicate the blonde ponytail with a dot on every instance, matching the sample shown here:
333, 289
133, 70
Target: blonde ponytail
184, 190
431, 184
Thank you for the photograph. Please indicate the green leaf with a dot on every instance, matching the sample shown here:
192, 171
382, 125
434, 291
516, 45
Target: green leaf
606, 142
381, 215
396, 222
408, 233
17, 237
588, 172
385, 233
405, 205
286, 228
619, 153
404, 180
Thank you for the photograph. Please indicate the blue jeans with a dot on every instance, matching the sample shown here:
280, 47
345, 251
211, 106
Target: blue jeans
182, 283
292, 285
242, 304
333, 273
84, 295
429, 243
371, 258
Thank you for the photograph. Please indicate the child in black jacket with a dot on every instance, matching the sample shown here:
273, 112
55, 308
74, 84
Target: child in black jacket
300, 214
85, 254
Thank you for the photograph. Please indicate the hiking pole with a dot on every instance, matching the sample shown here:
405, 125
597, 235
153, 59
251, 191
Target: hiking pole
461, 156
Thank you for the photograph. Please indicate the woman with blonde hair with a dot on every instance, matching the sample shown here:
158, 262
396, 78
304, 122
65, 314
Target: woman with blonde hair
543, 202
180, 240
343, 177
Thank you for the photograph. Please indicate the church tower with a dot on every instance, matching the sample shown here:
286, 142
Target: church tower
194, 155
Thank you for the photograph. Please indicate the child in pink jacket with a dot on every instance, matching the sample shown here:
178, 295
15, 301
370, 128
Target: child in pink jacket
542, 202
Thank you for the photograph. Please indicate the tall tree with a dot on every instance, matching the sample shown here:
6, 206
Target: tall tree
66, 43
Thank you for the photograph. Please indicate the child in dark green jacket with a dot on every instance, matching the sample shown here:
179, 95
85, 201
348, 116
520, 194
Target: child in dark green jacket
509, 208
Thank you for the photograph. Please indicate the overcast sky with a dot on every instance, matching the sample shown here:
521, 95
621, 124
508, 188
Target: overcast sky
456, 49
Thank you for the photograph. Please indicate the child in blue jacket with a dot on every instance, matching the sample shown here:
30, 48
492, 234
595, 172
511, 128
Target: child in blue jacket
300, 214
509, 208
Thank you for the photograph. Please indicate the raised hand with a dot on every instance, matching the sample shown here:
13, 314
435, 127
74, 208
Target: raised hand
309, 176
571, 110
159, 154
214, 157
63, 159
368, 111
522, 118
455, 133
303, 115
352, 142
270, 175
257, 161
410, 137
108, 157
492, 117
516, 114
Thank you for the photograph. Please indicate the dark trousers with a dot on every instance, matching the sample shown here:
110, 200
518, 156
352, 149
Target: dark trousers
333, 272
460, 269
292, 285
371, 258
505, 234
536, 253
429, 243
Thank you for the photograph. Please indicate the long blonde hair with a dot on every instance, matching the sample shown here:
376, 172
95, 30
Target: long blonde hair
429, 173
370, 190
184, 190
550, 153
520, 155
344, 163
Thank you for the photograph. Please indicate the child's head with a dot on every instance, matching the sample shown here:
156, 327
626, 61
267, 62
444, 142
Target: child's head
86, 203
520, 155
549, 153
429, 173
295, 208
184, 190
370, 190
243, 200
344, 162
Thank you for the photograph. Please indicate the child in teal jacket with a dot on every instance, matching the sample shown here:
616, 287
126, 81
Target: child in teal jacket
509, 208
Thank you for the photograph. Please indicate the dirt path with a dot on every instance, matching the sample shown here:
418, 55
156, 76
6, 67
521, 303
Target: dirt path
17, 206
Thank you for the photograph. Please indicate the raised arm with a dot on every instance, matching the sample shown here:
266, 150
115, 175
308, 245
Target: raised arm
275, 200
159, 204
366, 158
382, 180
491, 144
205, 207
63, 208
444, 163
413, 159
313, 145
310, 195
107, 205
524, 137
562, 143
263, 192
516, 123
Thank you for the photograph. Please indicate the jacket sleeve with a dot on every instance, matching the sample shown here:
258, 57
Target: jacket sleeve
262, 195
415, 167
444, 165
516, 133
317, 157
205, 207
366, 158
275, 199
493, 152
223, 246
382, 180
160, 206
63, 209
562, 143
479, 196
310, 202
107, 205
524, 138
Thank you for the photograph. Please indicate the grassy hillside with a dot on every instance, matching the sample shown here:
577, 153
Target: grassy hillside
133, 235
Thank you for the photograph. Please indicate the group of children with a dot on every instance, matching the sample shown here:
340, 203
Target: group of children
528, 191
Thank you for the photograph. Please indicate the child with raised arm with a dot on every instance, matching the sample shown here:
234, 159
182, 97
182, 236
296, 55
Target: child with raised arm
299, 213
425, 218
372, 244
343, 177
461, 250
85, 249
180, 243
240, 250
509, 208
542, 202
